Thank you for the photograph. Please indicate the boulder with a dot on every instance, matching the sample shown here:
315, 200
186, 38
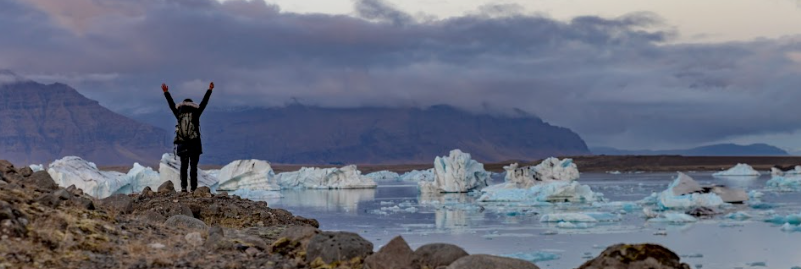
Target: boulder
337, 247
166, 187
13, 223
152, 217
436, 255
185, 221
120, 203
644, 256
25, 171
481, 261
216, 239
194, 239
55, 198
300, 234
203, 192
41, 180
394, 255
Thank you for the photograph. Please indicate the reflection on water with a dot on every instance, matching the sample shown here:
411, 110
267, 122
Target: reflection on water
505, 228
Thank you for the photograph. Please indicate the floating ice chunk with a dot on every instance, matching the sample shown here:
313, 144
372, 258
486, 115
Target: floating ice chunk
554, 191
417, 176
755, 195
758, 264
682, 193
738, 216
534, 257
674, 218
589, 217
740, 169
384, 176
36, 167
793, 219
551, 169
785, 183
347, 177
614, 172
456, 173
257, 195
575, 225
169, 169
84, 175
247, 175
141, 177
729, 195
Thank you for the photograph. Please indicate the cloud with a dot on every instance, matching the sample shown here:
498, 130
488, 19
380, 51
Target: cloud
616, 81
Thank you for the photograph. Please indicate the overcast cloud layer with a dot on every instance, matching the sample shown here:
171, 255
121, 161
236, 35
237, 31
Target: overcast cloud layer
615, 81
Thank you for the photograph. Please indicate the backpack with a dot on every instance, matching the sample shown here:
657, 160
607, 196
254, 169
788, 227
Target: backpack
185, 130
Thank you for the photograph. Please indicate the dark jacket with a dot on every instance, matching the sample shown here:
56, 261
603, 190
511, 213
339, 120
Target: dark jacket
192, 147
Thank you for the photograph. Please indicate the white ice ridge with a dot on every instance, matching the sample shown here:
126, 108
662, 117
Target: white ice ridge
36, 167
141, 177
169, 169
551, 169
347, 177
685, 192
384, 176
84, 175
248, 175
740, 169
456, 173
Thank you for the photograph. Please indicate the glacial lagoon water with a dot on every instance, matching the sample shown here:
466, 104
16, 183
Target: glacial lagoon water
396, 208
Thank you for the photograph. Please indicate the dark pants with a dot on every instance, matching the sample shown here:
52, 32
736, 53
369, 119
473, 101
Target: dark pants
186, 162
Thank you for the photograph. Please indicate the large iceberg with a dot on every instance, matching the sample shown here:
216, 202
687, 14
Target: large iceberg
456, 173
347, 177
551, 169
553, 180
247, 175
169, 169
685, 192
84, 175
141, 177
740, 169
384, 176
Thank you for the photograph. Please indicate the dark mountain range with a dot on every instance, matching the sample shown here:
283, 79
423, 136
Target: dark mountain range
40, 123
711, 150
301, 134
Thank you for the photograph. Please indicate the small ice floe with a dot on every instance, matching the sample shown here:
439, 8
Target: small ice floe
456, 173
256, 195
383, 176
738, 216
758, 264
792, 219
739, 170
685, 192
589, 217
614, 172
539, 256
787, 227
784, 183
674, 218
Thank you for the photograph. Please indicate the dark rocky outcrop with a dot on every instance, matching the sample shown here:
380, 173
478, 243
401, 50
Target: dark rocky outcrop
490, 262
394, 255
437, 254
332, 247
644, 256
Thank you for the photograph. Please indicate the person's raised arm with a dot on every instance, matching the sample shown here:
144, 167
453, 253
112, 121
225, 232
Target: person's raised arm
206, 98
170, 102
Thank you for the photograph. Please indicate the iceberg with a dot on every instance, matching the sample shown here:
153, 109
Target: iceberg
551, 169
784, 183
84, 175
347, 177
456, 173
685, 192
534, 257
552, 192
674, 218
740, 169
256, 195
589, 217
141, 177
384, 176
169, 169
247, 175
738, 216
36, 167
418, 176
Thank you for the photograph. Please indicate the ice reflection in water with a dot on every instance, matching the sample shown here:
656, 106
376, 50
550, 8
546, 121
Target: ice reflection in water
506, 228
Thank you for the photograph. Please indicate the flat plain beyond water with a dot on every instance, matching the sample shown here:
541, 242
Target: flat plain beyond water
397, 208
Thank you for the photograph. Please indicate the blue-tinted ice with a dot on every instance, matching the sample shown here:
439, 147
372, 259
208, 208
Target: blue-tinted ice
765, 229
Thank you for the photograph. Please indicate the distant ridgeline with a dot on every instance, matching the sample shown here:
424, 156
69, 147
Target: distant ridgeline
711, 150
301, 134
40, 123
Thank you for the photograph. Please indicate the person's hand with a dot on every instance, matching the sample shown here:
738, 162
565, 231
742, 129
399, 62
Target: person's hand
164, 87
211, 86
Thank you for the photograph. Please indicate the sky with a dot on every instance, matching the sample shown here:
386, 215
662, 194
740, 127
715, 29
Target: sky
630, 74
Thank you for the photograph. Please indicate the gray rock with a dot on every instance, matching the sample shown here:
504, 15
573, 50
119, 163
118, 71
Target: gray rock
55, 198
194, 239
120, 203
204, 192
7, 168
337, 246
216, 239
13, 223
41, 180
152, 217
436, 255
25, 171
301, 234
172, 209
167, 187
74, 190
490, 262
185, 221
644, 256
147, 192
394, 255
701, 211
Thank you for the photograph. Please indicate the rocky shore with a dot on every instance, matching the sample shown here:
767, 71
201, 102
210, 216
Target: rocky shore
45, 226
